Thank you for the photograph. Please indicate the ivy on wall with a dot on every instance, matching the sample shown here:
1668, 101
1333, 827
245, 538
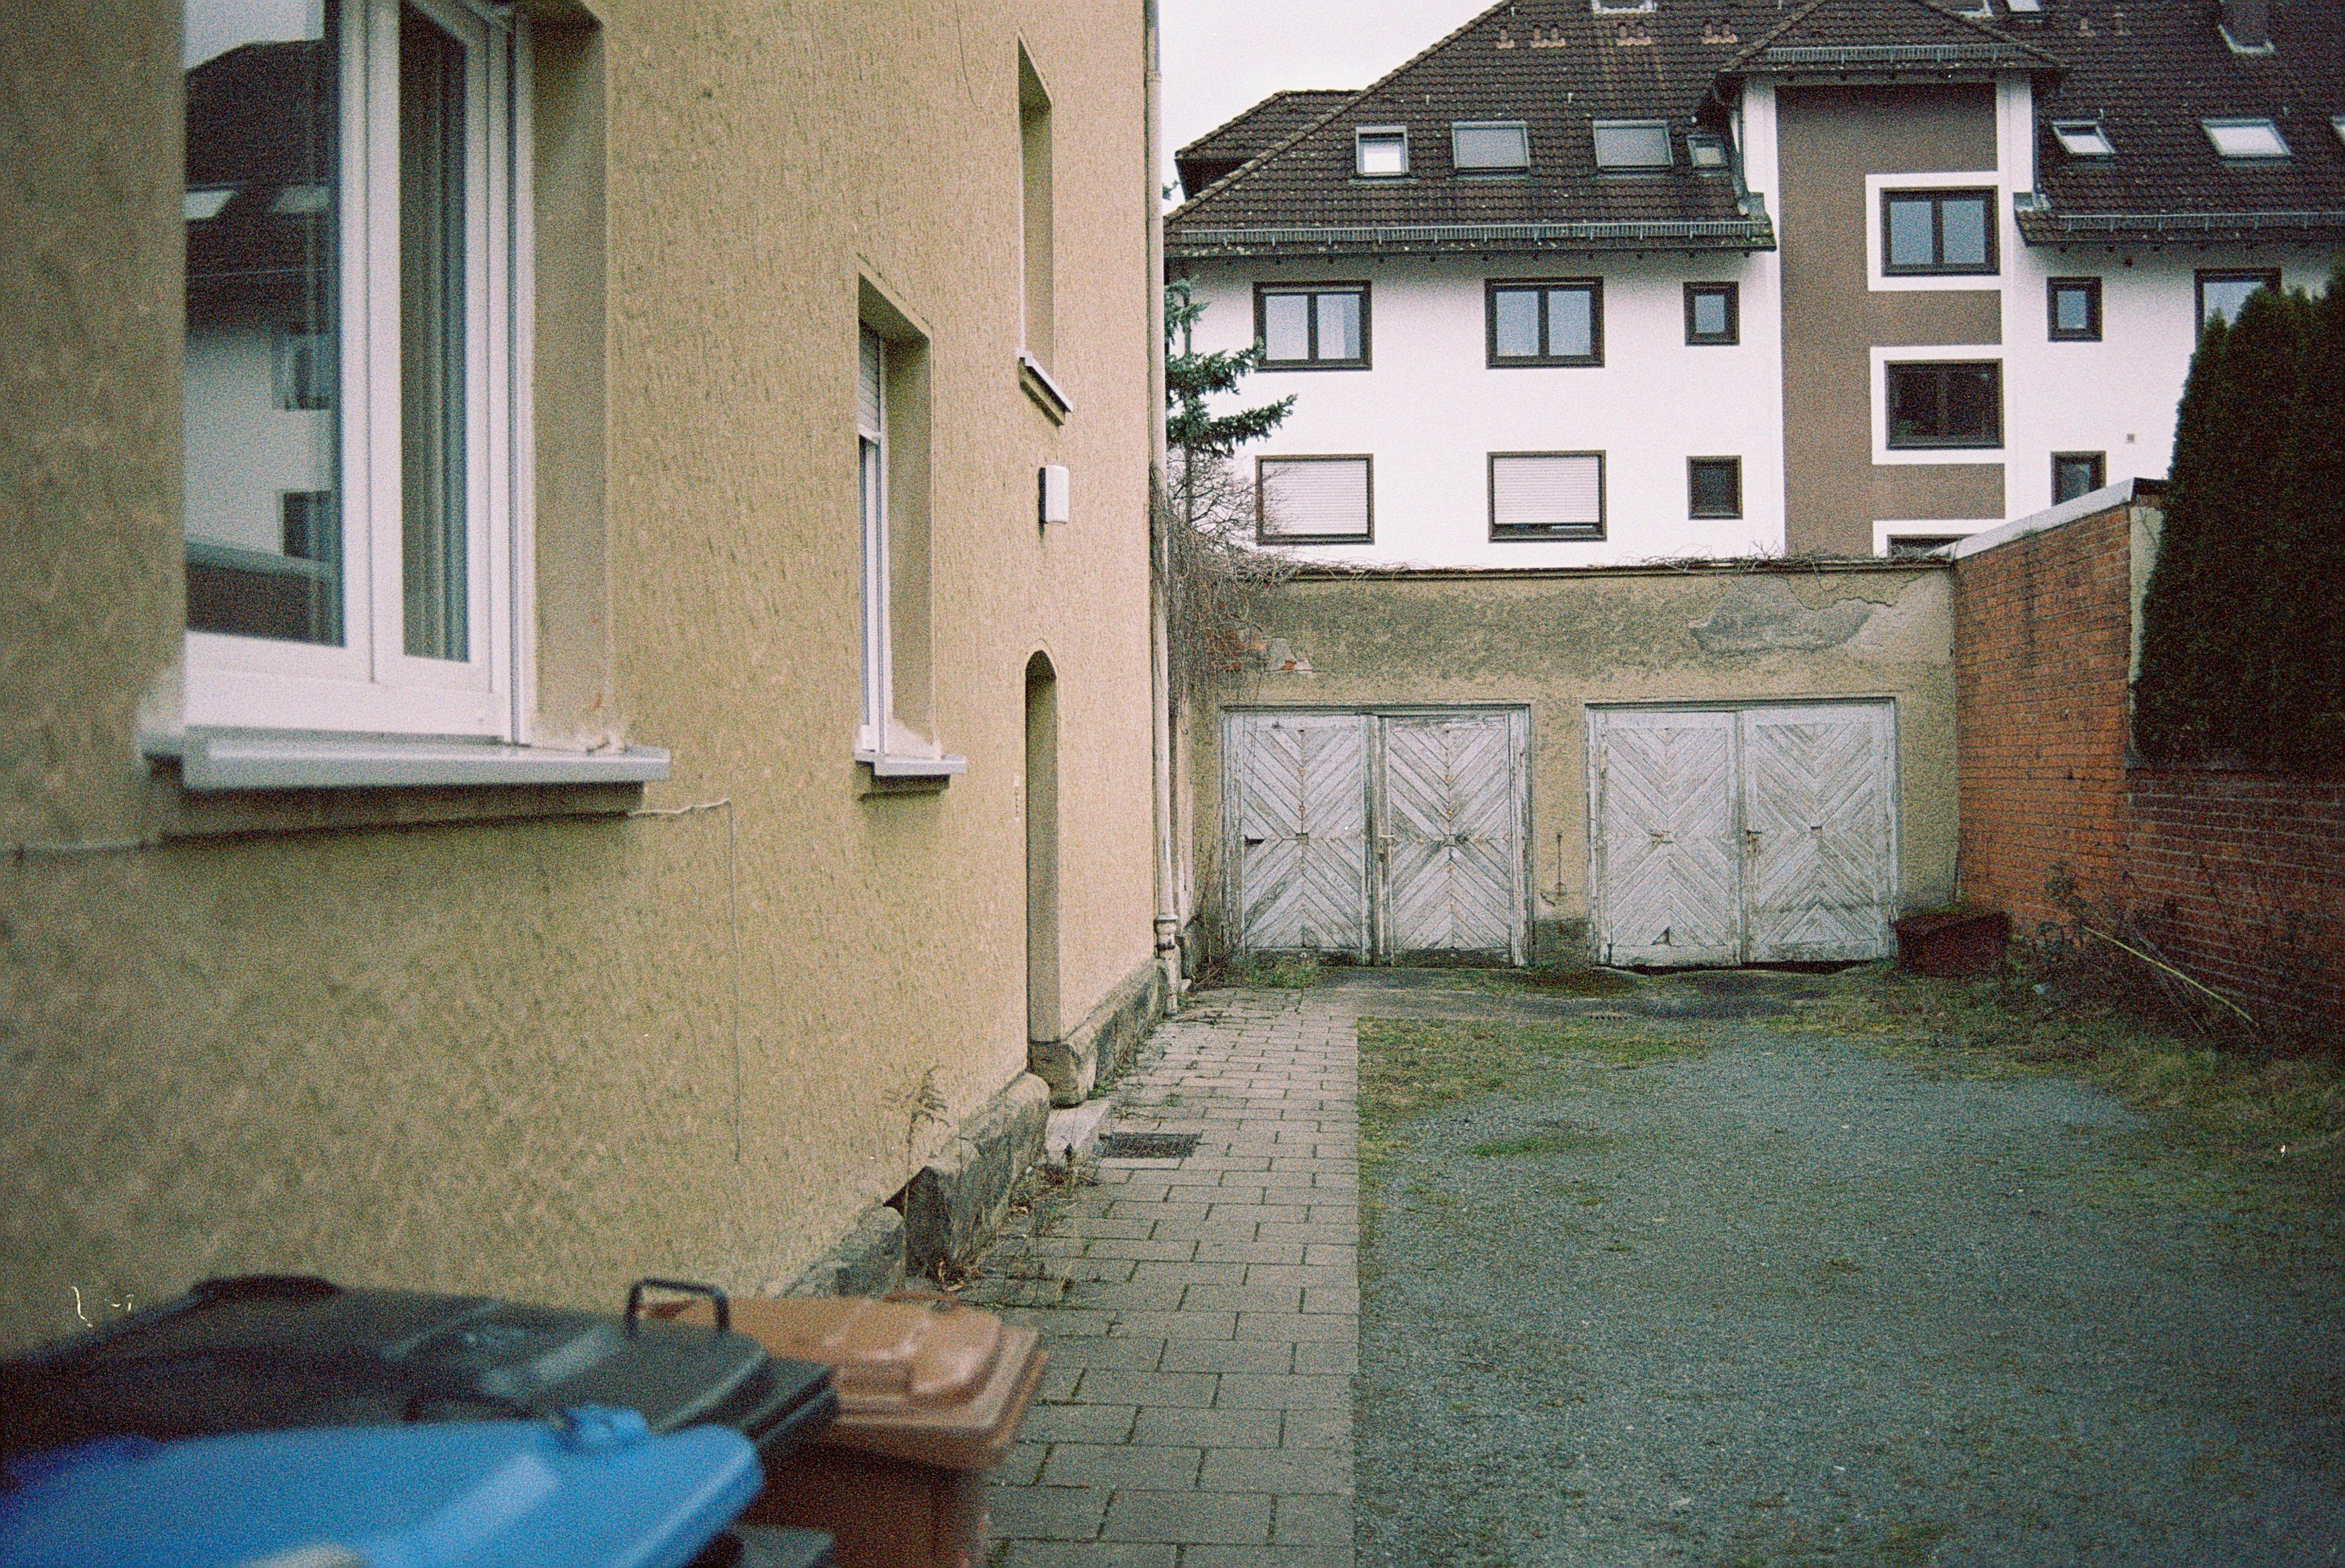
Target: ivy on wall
2243, 637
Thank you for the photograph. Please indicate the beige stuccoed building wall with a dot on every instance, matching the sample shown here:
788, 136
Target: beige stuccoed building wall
1554, 642
511, 1039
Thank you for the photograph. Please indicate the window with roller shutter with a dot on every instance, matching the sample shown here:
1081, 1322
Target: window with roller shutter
1314, 499
1547, 495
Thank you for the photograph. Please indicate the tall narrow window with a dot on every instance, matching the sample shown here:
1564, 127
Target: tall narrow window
1035, 213
1713, 313
871, 468
2073, 306
351, 348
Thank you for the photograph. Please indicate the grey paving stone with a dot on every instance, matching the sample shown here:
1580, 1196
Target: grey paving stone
1047, 1512
1267, 1557
1247, 1298
1101, 1296
1181, 1325
1313, 1521
1258, 1356
1278, 1470
1022, 1465
1218, 1518
1327, 1299
1107, 1350
1297, 1326
1085, 1554
1121, 1386
1191, 1273
1127, 1465
1058, 1383
1211, 1428
1333, 1358
1305, 1275
1251, 1251
1246, 1390
1143, 1250
1316, 1429
1078, 1423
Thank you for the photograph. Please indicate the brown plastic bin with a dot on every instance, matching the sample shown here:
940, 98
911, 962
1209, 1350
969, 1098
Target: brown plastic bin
930, 1393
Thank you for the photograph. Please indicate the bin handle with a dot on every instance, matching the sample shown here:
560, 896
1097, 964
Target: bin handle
690, 1288
937, 1301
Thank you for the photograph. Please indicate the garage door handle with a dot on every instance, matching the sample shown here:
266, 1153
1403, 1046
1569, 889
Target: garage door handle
1751, 840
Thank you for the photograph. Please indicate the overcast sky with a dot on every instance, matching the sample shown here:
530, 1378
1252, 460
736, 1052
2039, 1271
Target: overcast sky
1221, 56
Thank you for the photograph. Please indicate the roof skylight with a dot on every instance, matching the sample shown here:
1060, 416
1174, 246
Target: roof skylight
1487, 146
1632, 144
2083, 138
2245, 138
2024, 7
2337, 123
1381, 151
202, 205
1705, 149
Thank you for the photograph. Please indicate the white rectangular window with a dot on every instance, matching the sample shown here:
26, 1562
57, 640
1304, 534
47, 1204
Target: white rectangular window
1314, 499
1489, 146
2245, 138
871, 469
1380, 152
2083, 138
352, 390
1547, 495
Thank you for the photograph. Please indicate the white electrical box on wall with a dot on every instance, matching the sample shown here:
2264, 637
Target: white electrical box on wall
1054, 493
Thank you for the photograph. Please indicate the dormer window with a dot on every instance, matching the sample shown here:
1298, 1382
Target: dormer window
2337, 123
2245, 139
2083, 138
1381, 152
1632, 145
1489, 147
1705, 150
1620, 7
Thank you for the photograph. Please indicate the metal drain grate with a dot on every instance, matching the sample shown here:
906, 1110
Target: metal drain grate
1148, 1145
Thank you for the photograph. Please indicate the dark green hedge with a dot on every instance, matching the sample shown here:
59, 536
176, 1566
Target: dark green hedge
2243, 638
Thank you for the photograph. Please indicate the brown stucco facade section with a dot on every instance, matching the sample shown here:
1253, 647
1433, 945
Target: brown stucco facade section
1556, 643
1828, 139
477, 1040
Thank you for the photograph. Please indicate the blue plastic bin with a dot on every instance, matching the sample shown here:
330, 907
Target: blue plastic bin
592, 1490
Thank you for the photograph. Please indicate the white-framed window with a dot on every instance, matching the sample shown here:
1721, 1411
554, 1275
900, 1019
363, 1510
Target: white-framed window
2083, 138
1631, 143
2245, 138
1380, 152
871, 471
357, 356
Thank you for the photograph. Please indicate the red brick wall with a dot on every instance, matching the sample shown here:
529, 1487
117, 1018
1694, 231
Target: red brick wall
2042, 637
2239, 878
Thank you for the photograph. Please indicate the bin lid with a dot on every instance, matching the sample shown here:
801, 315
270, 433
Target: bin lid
592, 1490
269, 1352
930, 1381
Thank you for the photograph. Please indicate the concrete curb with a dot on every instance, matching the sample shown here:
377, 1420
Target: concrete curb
956, 1202
1102, 1045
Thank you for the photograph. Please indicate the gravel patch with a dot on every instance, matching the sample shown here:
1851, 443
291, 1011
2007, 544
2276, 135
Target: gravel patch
1788, 1302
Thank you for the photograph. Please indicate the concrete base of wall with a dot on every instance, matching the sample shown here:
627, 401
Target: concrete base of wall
1559, 943
868, 1261
957, 1200
1102, 1045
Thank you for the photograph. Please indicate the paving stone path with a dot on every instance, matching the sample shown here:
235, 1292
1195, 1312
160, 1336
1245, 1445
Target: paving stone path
1202, 1313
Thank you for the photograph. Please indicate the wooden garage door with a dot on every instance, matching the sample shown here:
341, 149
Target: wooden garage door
1298, 807
1752, 836
1379, 834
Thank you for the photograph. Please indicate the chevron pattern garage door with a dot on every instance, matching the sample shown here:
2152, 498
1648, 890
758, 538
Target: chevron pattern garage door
1752, 836
1667, 887
1816, 881
1452, 835
1298, 793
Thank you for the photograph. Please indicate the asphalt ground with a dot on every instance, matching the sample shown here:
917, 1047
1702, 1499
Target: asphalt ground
1715, 1290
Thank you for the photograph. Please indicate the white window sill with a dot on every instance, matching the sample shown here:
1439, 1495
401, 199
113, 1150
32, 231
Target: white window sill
1041, 389
902, 767
213, 760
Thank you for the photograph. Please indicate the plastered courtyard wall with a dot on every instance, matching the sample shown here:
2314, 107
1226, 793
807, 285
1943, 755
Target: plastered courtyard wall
516, 1040
1557, 642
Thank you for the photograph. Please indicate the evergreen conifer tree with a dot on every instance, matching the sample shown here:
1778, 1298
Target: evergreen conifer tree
2307, 582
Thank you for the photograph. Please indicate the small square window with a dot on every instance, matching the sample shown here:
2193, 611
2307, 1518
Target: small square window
1559, 323
2083, 138
1937, 231
1311, 326
2078, 473
1713, 313
2245, 138
1705, 149
1489, 147
1946, 403
1713, 487
2221, 294
1315, 500
1547, 495
1380, 152
1632, 144
2073, 308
